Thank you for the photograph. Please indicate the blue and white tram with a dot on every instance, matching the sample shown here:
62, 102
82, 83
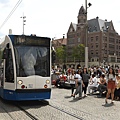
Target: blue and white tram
25, 67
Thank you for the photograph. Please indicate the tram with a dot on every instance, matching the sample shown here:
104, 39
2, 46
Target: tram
25, 67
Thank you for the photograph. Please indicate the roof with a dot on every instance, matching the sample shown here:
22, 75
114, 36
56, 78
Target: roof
75, 26
62, 41
96, 25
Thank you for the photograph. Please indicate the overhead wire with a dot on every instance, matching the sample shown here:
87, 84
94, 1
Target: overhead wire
10, 14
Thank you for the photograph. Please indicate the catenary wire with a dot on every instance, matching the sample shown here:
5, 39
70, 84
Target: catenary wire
13, 10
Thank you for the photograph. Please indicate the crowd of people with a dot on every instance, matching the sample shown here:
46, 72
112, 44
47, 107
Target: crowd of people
104, 80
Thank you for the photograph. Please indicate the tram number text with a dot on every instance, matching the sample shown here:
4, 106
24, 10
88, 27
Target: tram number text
30, 85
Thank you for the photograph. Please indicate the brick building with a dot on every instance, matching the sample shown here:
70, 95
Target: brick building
103, 41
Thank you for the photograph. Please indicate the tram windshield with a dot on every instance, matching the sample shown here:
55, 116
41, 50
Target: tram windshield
32, 60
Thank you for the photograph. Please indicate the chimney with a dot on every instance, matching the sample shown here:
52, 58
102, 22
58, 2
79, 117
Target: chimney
63, 36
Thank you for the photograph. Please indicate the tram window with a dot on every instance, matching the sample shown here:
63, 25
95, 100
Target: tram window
9, 72
5, 52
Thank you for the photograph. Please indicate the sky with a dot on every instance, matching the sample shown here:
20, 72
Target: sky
52, 18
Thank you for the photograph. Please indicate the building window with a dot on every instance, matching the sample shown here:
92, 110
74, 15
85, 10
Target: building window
116, 46
91, 39
111, 46
96, 45
106, 39
96, 38
111, 52
92, 60
111, 40
91, 45
116, 40
78, 39
116, 52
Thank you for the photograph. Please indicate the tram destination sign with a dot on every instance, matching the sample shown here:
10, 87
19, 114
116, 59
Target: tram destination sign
31, 41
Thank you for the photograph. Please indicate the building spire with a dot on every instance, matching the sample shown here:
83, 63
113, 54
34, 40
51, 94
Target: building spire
82, 11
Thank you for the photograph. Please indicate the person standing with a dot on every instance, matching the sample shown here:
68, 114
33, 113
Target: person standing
72, 82
111, 85
79, 84
85, 78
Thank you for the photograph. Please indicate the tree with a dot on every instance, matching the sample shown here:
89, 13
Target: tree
79, 52
60, 53
53, 56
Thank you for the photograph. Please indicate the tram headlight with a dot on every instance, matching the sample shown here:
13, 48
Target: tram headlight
47, 81
20, 82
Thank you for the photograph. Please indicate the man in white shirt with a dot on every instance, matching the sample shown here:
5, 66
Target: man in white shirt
93, 83
79, 83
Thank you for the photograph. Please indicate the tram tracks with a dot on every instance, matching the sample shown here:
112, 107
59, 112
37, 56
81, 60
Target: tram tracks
64, 111
71, 111
50, 105
27, 113
15, 111
7, 112
33, 111
33, 117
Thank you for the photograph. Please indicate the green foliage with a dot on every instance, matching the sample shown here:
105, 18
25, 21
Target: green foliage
60, 53
79, 52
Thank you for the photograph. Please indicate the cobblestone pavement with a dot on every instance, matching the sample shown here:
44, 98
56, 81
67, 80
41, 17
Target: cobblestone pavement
88, 108
10, 112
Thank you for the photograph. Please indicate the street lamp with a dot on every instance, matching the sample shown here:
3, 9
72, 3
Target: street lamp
86, 44
23, 22
53, 57
64, 55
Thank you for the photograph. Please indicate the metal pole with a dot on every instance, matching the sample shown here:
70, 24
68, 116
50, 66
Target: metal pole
23, 24
86, 45
23, 17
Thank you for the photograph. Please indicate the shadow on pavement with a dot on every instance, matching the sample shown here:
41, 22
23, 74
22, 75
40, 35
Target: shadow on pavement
76, 99
67, 97
108, 105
